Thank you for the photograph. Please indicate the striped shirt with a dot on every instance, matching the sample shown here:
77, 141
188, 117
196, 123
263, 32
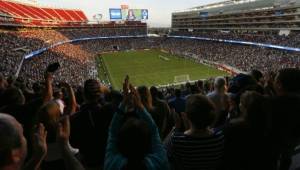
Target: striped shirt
195, 153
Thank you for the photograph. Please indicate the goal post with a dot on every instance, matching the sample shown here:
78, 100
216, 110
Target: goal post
182, 78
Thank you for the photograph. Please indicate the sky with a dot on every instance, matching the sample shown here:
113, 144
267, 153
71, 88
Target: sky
159, 10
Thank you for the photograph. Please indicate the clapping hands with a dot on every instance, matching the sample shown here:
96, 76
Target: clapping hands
63, 130
131, 96
40, 142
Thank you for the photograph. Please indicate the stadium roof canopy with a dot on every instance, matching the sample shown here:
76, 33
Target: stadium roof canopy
231, 6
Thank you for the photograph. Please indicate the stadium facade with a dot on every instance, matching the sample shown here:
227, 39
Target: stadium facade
24, 14
261, 15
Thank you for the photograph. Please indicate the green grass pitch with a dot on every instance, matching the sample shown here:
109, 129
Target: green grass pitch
145, 67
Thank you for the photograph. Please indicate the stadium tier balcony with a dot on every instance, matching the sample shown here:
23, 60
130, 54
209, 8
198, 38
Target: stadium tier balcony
30, 15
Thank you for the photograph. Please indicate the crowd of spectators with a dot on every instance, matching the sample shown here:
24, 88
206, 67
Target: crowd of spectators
249, 121
79, 57
16, 44
267, 37
244, 58
64, 118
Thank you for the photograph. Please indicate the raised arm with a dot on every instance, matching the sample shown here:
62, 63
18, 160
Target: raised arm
158, 157
39, 148
48, 93
63, 135
71, 108
112, 156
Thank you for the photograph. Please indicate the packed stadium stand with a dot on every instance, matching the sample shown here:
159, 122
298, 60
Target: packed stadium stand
21, 13
56, 114
16, 14
240, 15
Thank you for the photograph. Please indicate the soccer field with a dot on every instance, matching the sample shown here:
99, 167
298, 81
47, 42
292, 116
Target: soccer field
152, 67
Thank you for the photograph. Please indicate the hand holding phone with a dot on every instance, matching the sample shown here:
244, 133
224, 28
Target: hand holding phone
53, 67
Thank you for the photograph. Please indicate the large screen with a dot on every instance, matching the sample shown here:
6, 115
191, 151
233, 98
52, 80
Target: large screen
115, 13
128, 14
134, 14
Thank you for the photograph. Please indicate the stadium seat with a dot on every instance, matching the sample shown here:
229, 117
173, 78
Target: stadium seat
41, 16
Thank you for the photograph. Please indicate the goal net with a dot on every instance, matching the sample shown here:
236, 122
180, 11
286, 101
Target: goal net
182, 78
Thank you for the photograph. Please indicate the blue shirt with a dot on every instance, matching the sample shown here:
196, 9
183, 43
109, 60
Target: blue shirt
155, 160
178, 104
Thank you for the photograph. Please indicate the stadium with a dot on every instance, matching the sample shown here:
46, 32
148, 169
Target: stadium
218, 89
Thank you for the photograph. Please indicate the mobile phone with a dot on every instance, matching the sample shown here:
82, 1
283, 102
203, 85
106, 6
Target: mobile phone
53, 67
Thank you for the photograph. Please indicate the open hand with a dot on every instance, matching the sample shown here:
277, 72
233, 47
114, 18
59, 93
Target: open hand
136, 97
63, 130
40, 142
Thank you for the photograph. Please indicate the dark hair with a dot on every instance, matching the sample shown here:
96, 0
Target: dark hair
13, 95
134, 142
9, 140
92, 90
257, 111
113, 96
49, 120
154, 92
36, 87
177, 93
194, 89
200, 111
289, 79
256, 74
241, 83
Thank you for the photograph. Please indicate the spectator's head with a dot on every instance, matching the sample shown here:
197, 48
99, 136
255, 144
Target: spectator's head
92, 90
115, 97
13, 96
49, 115
287, 81
200, 111
58, 94
154, 92
134, 142
200, 84
13, 145
257, 75
37, 88
220, 84
254, 107
177, 93
194, 89
241, 83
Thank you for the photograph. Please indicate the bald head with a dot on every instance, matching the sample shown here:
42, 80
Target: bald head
11, 138
220, 83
